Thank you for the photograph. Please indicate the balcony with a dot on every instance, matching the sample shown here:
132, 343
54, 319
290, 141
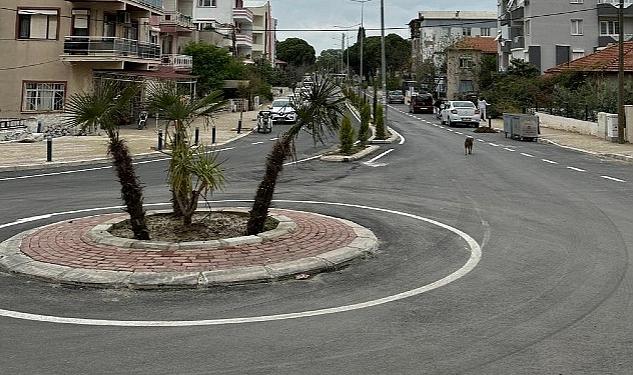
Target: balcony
605, 40
243, 40
177, 62
609, 8
151, 5
109, 49
176, 22
243, 15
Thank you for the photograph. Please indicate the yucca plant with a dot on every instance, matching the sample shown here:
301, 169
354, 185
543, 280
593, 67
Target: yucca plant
190, 173
319, 116
104, 108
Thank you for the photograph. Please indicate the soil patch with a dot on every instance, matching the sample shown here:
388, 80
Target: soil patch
484, 129
206, 226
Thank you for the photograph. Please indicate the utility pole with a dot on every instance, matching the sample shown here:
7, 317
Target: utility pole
342, 52
362, 33
383, 58
621, 114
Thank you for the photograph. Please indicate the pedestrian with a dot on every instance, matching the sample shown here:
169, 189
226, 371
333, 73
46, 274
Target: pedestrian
482, 104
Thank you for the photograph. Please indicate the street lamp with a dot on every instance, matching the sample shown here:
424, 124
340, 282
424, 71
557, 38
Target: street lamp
383, 60
362, 26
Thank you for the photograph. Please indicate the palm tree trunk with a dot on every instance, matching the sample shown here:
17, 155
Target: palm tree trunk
131, 189
266, 189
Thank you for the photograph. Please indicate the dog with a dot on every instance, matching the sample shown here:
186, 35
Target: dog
468, 146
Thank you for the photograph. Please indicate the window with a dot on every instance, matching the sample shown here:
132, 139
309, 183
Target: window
466, 86
467, 31
37, 24
528, 27
576, 27
466, 62
609, 28
485, 31
576, 1
44, 96
577, 53
206, 3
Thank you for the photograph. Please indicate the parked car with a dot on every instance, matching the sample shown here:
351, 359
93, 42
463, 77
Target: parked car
283, 111
421, 103
460, 112
395, 97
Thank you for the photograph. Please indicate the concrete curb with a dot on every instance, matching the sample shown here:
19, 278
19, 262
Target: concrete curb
104, 161
606, 154
14, 261
347, 158
373, 141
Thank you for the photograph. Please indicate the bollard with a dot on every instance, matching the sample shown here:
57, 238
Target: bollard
49, 148
213, 135
39, 126
489, 122
196, 138
160, 140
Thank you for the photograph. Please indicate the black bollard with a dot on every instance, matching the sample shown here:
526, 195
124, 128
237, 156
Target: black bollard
196, 138
160, 140
49, 148
213, 135
39, 126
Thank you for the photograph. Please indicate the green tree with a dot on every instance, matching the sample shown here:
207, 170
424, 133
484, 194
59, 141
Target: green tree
486, 71
365, 117
319, 116
192, 173
104, 107
296, 52
346, 136
329, 60
381, 132
213, 65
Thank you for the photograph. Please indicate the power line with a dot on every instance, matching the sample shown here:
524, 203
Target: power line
28, 66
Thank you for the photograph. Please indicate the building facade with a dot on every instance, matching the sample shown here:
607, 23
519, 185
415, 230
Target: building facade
549, 33
264, 30
463, 59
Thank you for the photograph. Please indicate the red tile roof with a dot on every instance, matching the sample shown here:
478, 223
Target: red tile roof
485, 44
602, 61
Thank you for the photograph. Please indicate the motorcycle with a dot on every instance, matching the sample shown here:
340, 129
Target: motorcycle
264, 122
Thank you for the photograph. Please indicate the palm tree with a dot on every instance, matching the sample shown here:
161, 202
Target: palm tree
319, 115
104, 108
192, 172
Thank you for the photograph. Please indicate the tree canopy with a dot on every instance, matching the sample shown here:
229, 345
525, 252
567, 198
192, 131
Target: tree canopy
213, 65
296, 52
397, 51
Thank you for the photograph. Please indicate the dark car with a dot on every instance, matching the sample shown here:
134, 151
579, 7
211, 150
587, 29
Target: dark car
395, 97
421, 103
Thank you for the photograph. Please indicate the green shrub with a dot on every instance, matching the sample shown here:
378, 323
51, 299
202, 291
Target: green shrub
365, 117
380, 122
346, 136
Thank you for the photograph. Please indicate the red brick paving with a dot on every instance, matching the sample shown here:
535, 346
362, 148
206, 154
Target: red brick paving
67, 244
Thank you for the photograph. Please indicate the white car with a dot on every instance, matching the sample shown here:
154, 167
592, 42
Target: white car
460, 112
283, 111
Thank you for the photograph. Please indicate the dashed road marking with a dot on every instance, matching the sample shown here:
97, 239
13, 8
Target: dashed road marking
612, 179
460, 133
549, 161
509, 149
257, 143
528, 155
480, 140
274, 139
576, 169
493, 144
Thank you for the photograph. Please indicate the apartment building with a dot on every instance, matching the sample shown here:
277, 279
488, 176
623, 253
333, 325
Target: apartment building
549, 33
176, 30
433, 31
264, 30
463, 58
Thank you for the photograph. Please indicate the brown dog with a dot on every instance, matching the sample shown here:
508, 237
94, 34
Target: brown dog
468, 146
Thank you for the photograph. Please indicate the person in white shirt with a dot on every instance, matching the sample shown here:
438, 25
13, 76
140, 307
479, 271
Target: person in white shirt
482, 104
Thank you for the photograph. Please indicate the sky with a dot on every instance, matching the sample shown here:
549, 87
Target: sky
324, 14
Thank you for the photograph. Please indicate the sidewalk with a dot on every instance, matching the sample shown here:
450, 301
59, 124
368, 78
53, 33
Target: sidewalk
74, 150
580, 142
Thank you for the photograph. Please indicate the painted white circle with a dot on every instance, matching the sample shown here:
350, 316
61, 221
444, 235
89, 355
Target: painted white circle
475, 257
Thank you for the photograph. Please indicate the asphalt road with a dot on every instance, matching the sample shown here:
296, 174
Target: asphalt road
551, 294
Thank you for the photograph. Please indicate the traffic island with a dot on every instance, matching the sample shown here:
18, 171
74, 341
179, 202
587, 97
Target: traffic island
83, 252
337, 157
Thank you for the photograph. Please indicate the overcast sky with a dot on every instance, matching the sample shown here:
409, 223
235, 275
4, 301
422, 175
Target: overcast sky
323, 14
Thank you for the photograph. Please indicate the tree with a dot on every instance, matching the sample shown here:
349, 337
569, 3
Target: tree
365, 117
346, 136
397, 54
319, 116
329, 60
192, 173
486, 71
213, 65
381, 132
296, 52
104, 108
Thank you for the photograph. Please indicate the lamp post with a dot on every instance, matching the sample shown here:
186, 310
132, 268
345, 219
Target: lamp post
621, 114
362, 36
383, 58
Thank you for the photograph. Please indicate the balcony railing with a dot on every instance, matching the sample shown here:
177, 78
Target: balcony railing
244, 39
177, 62
177, 18
11, 123
616, 3
94, 47
243, 14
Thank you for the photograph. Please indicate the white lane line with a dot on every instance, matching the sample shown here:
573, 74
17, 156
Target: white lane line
473, 260
303, 160
257, 143
549, 161
381, 155
274, 139
480, 140
449, 130
528, 155
493, 144
460, 133
509, 149
576, 169
441, 127
612, 178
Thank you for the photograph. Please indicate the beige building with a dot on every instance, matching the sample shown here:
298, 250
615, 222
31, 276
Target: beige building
264, 29
462, 62
54, 48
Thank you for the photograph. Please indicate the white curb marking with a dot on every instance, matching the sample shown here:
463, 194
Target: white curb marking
612, 178
475, 257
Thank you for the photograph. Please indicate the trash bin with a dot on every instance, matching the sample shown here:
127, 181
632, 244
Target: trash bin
521, 127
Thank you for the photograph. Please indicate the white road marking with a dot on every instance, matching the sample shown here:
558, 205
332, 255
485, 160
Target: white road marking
303, 160
274, 139
528, 155
509, 149
441, 127
493, 144
460, 133
402, 140
576, 169
381, 155
257, 143
480, 140
549, 161
612, 178
473, 260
